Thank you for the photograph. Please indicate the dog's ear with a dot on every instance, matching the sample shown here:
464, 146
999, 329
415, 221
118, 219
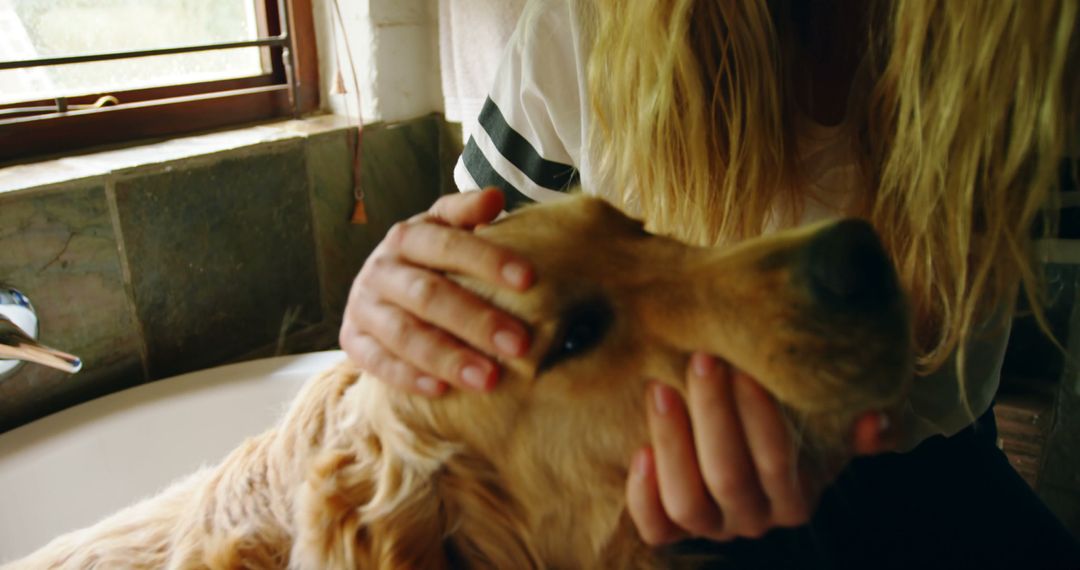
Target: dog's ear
391, 514
458, 516
359, 512
487, 529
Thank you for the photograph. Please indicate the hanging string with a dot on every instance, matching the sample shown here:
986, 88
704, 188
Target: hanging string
359, 214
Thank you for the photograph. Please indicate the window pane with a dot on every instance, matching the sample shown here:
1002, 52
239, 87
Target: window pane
49, 28
122, 75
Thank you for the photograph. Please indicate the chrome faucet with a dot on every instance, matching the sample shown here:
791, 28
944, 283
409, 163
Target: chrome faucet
18, 337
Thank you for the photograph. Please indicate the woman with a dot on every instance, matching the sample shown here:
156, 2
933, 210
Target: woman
943, 123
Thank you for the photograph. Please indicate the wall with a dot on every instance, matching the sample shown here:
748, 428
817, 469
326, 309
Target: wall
394, 45
166, 258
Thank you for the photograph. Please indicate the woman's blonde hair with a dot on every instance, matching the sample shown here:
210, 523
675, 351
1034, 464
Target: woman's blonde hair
959, 114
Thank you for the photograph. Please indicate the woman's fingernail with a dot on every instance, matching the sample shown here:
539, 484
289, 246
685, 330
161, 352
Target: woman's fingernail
476, 376
516, 274
510, 342
428, 385
703, 364
642, 464
662, 398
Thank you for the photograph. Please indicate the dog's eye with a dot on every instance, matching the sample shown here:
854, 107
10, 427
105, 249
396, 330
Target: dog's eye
583, 327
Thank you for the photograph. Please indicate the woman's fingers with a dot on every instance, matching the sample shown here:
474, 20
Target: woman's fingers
682, 491
429, 349
458, 251
370, 355
727, 465
643, 502
774, 454
468, 209
407, 321
445, 305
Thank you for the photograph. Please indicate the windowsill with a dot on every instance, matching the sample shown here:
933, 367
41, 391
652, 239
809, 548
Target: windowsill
63, 170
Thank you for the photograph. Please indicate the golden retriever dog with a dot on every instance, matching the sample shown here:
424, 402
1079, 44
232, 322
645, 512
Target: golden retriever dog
532, 475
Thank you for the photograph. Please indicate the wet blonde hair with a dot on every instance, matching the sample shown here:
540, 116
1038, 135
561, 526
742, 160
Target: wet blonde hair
959, 115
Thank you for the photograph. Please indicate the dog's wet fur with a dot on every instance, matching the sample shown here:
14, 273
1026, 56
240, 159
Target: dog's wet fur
361, 475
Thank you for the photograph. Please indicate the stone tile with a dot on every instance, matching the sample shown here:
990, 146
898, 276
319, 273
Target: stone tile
21, 177
221, 256
220, 249
342, 246
58, 247
315, 125
450, 148
67, 169
400, 176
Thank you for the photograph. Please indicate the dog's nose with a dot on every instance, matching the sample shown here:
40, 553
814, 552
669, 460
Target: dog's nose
848, 268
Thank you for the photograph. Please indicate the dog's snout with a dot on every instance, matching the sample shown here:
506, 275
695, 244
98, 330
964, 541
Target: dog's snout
848, 268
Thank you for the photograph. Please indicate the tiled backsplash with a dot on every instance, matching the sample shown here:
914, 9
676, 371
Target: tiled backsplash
59, 247
200, 258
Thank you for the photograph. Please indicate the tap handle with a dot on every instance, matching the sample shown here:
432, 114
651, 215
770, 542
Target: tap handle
18, 332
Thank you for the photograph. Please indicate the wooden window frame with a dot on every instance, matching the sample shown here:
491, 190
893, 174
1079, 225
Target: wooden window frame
178, 109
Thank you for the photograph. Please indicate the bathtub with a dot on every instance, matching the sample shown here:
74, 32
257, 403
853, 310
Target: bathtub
71, 469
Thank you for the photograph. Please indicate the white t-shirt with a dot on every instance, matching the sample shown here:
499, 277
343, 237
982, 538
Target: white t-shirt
532, 140
532, 132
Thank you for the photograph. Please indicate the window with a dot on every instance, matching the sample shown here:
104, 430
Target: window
78, 73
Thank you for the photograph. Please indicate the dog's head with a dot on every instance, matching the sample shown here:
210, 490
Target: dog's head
815, 315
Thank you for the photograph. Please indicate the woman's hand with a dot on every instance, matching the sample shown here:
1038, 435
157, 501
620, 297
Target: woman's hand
723, 465
411, 326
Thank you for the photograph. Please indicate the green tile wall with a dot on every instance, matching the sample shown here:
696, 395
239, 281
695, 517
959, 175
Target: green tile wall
233, 255
58, 247
221, 255
403, 170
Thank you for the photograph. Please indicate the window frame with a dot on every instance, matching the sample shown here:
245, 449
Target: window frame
179, 109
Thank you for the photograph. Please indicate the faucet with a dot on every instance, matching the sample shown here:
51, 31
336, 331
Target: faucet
18, 337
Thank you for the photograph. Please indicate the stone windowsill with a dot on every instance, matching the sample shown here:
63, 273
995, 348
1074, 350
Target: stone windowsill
58, 171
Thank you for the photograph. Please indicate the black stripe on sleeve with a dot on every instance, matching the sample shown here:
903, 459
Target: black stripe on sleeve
484, 175
513, 146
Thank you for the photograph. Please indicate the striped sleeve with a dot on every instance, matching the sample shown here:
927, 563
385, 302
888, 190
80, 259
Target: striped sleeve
528, 137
